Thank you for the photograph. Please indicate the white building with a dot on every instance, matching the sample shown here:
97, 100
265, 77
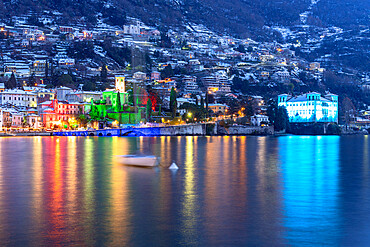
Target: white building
18, 97
256, 120
190, 84
283, 76
83, 96
218, 83
310, 107
140, 76
62, 92
33, 121
66, 62
131, 29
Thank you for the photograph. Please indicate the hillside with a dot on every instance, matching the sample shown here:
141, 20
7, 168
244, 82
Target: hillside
239, 17
244, 18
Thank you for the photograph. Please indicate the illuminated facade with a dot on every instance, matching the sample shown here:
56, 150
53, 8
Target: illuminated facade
55, 113
120, 83
115, 106
310, 107
216, 108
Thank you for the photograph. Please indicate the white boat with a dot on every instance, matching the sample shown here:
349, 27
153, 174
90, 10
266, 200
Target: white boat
139, 160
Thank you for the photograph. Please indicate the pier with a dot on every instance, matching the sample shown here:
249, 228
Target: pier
178, 130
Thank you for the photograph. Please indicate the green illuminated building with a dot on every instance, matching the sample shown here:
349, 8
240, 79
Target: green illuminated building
115, 105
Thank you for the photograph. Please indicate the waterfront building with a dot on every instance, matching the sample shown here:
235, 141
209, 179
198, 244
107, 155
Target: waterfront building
7, 118
17, 119
33, 121
115, 105
59, 113
18, 97
310, 107
258, 120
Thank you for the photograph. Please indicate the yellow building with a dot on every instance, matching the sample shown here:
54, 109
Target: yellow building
218, 108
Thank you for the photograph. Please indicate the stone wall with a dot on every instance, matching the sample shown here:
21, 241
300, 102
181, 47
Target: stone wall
180, 130
249, 130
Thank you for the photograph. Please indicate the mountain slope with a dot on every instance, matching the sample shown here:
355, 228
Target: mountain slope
244, 18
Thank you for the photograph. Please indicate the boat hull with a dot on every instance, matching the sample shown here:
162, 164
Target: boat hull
140, 161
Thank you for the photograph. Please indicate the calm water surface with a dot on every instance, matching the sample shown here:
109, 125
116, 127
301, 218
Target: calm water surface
251, 191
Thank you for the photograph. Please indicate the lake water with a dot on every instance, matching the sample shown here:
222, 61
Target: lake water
229, 191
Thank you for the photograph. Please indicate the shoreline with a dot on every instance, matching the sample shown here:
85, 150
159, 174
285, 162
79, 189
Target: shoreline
184, 130
49, 134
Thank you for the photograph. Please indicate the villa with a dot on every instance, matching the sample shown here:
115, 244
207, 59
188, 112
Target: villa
310, 107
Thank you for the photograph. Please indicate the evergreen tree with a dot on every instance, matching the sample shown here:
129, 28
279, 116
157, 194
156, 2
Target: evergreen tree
173, 102
282, 119
118, 105
12, 82
201, 101
94, 113
278, 116
149, 109
130, 96
271, 110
